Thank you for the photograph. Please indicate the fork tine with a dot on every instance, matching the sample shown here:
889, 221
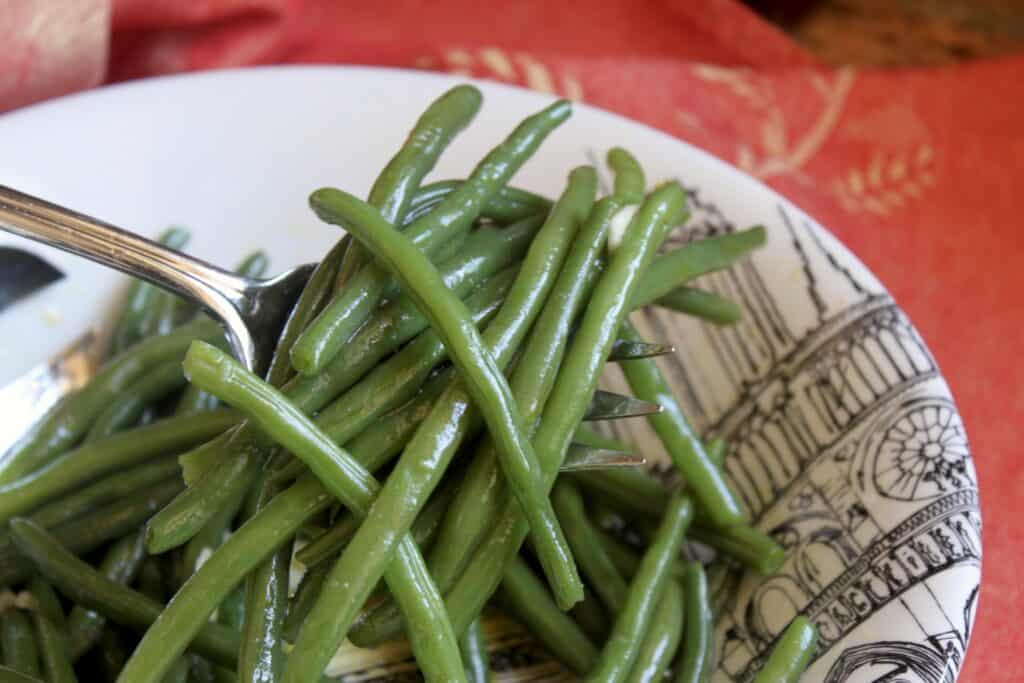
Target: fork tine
607, 405
580, 457
624, 349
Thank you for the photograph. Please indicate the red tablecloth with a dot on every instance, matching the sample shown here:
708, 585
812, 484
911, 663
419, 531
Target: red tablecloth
917, 171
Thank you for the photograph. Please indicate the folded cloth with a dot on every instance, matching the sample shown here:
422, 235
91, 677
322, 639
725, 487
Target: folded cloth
917, 171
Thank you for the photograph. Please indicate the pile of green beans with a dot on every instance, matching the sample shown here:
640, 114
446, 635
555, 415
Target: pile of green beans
402, 453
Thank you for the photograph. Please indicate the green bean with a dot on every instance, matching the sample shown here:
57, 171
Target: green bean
194, 401
62, 428
507, 205
702, 304
440, 435
645, 590
597, 567
126, 410
791, 654
266, 602
591, 616
744, 543
51, 636
526, 596
328, 333
140, 294
99, 457
18, 643
629, 176
661, 641
433, 639
113, 652
696, 665
474, 654
305, 596
679, 266
577, 380
590, 437
704, 480
85, 586
630, 490
121, 564
211, 536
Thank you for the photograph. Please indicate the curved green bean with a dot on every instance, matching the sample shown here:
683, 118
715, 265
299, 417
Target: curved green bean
129, 406
85, 586
704, 480
696, 665
474, 654
577, 380
645, 590
661, 641
479, 371
629, 176
791, 654
702, 304
48, 619
328, 333
63, 427
18, 642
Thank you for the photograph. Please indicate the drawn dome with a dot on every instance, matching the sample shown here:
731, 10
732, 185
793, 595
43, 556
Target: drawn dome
923, 454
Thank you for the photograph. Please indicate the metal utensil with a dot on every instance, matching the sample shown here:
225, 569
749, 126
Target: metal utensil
252, 311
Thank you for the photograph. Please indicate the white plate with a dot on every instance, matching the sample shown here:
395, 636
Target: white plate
844, 440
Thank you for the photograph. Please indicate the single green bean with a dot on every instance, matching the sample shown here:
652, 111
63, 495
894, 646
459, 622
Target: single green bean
128, 407
645, 590
85, 586
433, 640
704, 480
332, 328
630, 490
526, 596
597, 567
211, 536
18, 642
702, 304
127, 329
662, 638
121, 564
50, 634
791, 654
62, 428
474, 654
679, 266
99, 457
629, 176
590, 437
591, 616
696, 665
577, 380
742, 542
507, 205
305, 596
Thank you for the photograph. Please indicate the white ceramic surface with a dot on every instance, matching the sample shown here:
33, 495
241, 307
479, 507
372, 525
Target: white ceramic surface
844, 441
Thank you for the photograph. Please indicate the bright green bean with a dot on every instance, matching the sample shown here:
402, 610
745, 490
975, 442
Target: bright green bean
18, 642
48, 619
99, 457
679, 266
704, 480
128, 408
526, 596
328, 333
62, 428
474, 654
661, 641
702, 304
629, 176
645, 590
791, 654
696, 665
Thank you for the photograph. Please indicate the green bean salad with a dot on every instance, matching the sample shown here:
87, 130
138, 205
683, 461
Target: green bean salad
403, 454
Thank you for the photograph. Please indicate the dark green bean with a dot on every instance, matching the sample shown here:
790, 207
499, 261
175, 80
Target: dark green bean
50, 634
696, 665
216, 372
629, 176
526, 596
702, 304
704, 480
474, 654
629, 490
85, 586
591, 616
127, 330
507, 205
328, 333
597, 567
126, 410
211, 536
679, 266
645, 590
791, 654
577, 380
121, 564
590, 437
305, 596
62, 428
99, 457
113, 652
661, 641
18, 642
